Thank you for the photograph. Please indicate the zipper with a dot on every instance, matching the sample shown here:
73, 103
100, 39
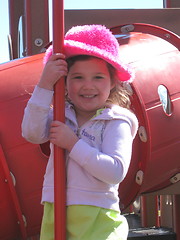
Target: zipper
78, 132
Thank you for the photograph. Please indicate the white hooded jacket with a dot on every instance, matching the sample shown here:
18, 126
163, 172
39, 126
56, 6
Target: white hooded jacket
98, 162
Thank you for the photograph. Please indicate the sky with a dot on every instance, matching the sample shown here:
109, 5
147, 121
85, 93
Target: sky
112, 4
72, 4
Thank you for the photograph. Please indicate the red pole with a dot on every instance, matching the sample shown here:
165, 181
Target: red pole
28, 21
59, 162
176, 215
167, 3
143, 211
157, 209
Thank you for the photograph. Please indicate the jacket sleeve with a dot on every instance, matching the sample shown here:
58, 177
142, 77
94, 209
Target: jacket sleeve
111, 164
37, 116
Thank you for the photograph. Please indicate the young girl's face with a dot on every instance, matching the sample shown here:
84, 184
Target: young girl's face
88, 85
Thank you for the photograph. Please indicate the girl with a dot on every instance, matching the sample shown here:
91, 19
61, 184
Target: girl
97, 135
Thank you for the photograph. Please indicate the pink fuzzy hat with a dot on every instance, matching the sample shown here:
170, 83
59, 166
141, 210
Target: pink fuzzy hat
97, 41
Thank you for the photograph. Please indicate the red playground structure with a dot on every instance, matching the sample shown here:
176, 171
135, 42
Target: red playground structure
154, 172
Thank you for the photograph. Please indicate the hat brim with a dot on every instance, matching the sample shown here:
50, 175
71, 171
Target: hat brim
74, 48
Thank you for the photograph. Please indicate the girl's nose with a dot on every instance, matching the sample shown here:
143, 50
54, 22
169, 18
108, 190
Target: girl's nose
88, 84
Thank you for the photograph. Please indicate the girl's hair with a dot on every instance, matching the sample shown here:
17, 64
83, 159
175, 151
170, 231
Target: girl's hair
119, 95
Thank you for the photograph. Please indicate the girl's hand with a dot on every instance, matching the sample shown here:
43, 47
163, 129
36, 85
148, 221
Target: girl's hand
55, 68
62, 136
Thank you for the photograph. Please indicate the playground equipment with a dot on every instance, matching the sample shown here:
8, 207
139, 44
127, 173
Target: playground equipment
154, 54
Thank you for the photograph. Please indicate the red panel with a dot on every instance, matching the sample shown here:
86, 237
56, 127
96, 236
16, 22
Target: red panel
24, 160
153, 53
8, 218
156, 61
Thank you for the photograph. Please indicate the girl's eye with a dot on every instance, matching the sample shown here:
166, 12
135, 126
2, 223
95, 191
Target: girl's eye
99, 77
77, 77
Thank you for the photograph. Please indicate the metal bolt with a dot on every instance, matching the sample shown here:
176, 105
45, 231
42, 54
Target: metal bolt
175, 178
167, 35
127, 28
38, 42
139, 177
142, 134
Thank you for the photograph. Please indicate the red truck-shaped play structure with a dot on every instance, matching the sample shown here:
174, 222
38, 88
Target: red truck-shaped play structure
153, 52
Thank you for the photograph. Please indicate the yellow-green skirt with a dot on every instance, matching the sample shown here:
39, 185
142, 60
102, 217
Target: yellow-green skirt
86, 223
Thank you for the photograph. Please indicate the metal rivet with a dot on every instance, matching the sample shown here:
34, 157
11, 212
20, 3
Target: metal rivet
127, 28
25, 222
167, 35
175, 178
142, 134
139, 177
13, 178
38, 42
